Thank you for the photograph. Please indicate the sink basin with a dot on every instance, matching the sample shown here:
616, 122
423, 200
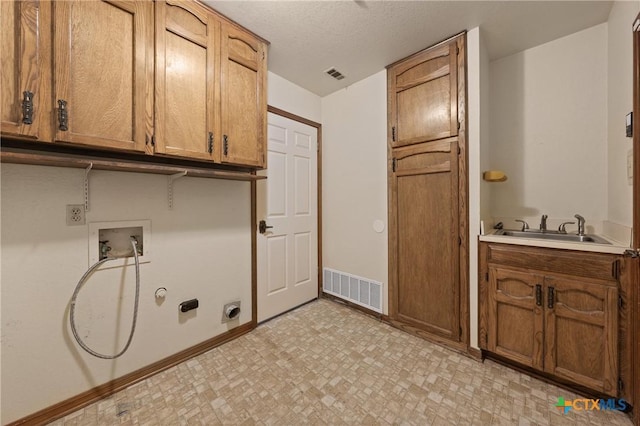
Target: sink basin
553, 235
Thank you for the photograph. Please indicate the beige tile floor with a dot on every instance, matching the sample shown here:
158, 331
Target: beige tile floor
325, 363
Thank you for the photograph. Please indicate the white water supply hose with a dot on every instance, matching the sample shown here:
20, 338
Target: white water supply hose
72, 310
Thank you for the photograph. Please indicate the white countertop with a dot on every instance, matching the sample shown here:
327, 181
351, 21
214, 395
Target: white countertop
614, 248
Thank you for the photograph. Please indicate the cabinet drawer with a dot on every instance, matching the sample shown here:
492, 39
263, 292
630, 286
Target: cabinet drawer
576, 263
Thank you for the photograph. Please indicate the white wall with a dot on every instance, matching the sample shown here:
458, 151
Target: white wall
289, 97
620, 103
549, 129
200, 249
477, 125
354, 179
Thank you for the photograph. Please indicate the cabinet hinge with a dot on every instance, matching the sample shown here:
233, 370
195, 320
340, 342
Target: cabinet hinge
632, 253
394, 164
620, 385
393, 133
486, 277
620, 301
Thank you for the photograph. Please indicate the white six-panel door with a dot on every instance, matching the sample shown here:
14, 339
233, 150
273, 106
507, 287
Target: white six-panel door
287, 200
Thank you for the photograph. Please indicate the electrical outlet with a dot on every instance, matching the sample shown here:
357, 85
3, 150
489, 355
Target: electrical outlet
75, 214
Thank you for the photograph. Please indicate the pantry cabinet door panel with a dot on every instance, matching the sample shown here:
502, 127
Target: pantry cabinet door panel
25, 50
103, 72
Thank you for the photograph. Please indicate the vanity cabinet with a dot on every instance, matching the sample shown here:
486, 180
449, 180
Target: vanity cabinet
555, 311
102, 79
169, 77
25, 105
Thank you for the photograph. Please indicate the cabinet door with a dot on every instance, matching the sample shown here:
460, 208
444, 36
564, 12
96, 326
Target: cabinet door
423, 94
244, 105
425, 287
186, 69
515, 315
25, 65
581, 332
103, 80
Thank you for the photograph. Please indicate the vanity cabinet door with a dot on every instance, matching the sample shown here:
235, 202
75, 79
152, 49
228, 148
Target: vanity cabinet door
244, 103
581, 333
103, 77
25, 53
515, 317
186, 80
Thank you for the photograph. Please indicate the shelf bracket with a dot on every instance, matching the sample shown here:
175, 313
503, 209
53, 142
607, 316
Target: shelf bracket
86, 186
170, 181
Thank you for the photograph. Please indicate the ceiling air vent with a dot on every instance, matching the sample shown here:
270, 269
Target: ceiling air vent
335, 73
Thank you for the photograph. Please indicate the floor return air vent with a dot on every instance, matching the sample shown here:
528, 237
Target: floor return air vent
361, 291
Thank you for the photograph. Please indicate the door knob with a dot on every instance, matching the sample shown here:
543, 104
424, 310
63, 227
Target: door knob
262, 227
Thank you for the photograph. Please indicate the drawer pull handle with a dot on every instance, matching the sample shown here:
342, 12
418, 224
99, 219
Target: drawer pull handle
538, 295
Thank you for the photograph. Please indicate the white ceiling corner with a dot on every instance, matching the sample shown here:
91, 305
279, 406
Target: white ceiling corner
360, 38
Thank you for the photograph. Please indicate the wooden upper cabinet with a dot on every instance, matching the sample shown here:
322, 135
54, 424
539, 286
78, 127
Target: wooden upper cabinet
243, 97
187, 118
103, 75
25, 68
423, 95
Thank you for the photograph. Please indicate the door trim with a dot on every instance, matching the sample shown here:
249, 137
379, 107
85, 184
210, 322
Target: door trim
318, 127
635, 270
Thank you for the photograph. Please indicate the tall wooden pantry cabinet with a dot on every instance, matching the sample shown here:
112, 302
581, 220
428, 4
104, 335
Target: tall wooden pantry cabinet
427, 178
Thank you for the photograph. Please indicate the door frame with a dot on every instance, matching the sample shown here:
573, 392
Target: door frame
254, 214
635, 270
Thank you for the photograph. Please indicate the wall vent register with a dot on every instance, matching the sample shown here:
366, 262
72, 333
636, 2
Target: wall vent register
361, 291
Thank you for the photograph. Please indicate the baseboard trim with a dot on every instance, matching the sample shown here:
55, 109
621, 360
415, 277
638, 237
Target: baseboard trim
459, 347
352, 305
72, 404
475, 353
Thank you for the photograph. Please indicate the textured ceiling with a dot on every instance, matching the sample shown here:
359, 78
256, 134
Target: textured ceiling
360, 38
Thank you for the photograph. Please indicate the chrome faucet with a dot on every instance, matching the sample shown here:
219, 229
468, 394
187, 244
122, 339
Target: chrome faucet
580, 224
562, 228
525, 225
543, 222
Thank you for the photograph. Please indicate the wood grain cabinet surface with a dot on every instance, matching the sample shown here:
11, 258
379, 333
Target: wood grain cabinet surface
243, 98
171, 78
102, 72
427, 178
542, 316
187, 80
25, 50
